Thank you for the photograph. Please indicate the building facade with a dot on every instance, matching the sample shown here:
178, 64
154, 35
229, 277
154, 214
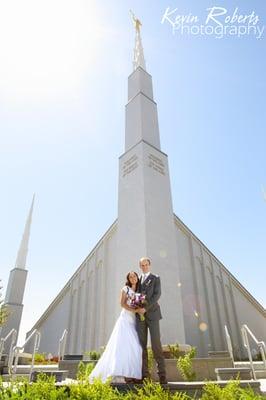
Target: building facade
199, 295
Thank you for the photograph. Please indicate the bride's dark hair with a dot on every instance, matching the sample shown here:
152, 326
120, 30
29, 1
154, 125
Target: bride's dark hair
127, 278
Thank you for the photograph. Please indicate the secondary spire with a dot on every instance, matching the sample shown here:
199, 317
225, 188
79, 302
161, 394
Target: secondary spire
23, 249
139, 60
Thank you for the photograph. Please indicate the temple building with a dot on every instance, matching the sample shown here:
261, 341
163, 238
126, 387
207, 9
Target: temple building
199, 294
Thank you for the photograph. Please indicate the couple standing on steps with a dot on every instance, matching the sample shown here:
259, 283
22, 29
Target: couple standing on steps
125, 358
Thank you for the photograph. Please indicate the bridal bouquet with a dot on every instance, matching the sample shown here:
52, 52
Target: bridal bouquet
137, 300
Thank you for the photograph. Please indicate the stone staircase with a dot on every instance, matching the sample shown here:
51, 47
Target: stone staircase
258, 366
24, 370
205, 368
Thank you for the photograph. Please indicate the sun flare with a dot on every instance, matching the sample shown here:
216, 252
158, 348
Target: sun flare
46, 47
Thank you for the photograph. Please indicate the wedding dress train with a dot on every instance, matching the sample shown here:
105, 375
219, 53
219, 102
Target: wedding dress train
122, 356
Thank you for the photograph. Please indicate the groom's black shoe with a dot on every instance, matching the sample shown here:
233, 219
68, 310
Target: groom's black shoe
129, 380
138, 381
147, 377
143, 379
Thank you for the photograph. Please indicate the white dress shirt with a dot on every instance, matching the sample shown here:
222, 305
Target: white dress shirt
144, 277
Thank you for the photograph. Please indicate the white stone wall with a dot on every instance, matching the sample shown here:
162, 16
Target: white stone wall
91, 318
212, 298
89, 304
53, 324
85, 306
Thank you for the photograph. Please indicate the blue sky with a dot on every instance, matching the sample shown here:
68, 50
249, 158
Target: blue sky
63, 87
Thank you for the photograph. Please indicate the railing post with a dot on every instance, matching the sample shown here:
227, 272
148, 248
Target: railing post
1, 347
13, 334
229, 344
245, 332
10, 354
263, 353
15, 351
62, 345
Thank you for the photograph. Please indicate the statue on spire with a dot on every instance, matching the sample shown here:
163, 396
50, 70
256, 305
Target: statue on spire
136, 22
139, 60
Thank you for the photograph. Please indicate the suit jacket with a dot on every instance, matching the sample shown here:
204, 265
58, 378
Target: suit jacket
151, 287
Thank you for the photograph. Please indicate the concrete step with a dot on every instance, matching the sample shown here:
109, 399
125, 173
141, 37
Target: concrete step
7, 377
256, 364
260, 374
24, 358
60, 375
259, 367
242, 373
25, 369
4, 359
72, 366
73, 357
219, 354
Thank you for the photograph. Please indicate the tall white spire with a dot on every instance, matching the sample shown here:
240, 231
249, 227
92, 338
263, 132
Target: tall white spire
17, 282
141, 109
23, 249
145, 212
139, 60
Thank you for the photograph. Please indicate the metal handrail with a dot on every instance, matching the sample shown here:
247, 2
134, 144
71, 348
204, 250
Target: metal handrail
16, 349
13, 334
62, 345
229, 344
261, 345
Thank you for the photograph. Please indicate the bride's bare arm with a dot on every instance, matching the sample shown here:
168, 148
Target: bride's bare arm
123, 303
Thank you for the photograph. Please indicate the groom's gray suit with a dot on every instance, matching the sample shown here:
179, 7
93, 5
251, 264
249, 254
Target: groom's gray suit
151, 287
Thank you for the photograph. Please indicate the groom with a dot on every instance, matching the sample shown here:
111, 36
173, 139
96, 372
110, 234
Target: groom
150, 285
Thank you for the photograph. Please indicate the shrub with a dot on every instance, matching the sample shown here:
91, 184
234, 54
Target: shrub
84, 371
232, 391
95, 391
154, 391
39, 358
43, 389
43, 359
184, 362
174, 350
93, 354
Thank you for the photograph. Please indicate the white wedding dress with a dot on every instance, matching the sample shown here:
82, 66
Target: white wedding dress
122, 356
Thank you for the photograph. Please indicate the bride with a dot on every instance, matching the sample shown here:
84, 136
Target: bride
122, 357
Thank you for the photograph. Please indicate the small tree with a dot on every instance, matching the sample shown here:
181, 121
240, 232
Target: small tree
3, 310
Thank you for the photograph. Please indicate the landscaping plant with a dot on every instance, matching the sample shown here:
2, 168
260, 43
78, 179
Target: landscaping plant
84, 371
184, 362
45, 389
